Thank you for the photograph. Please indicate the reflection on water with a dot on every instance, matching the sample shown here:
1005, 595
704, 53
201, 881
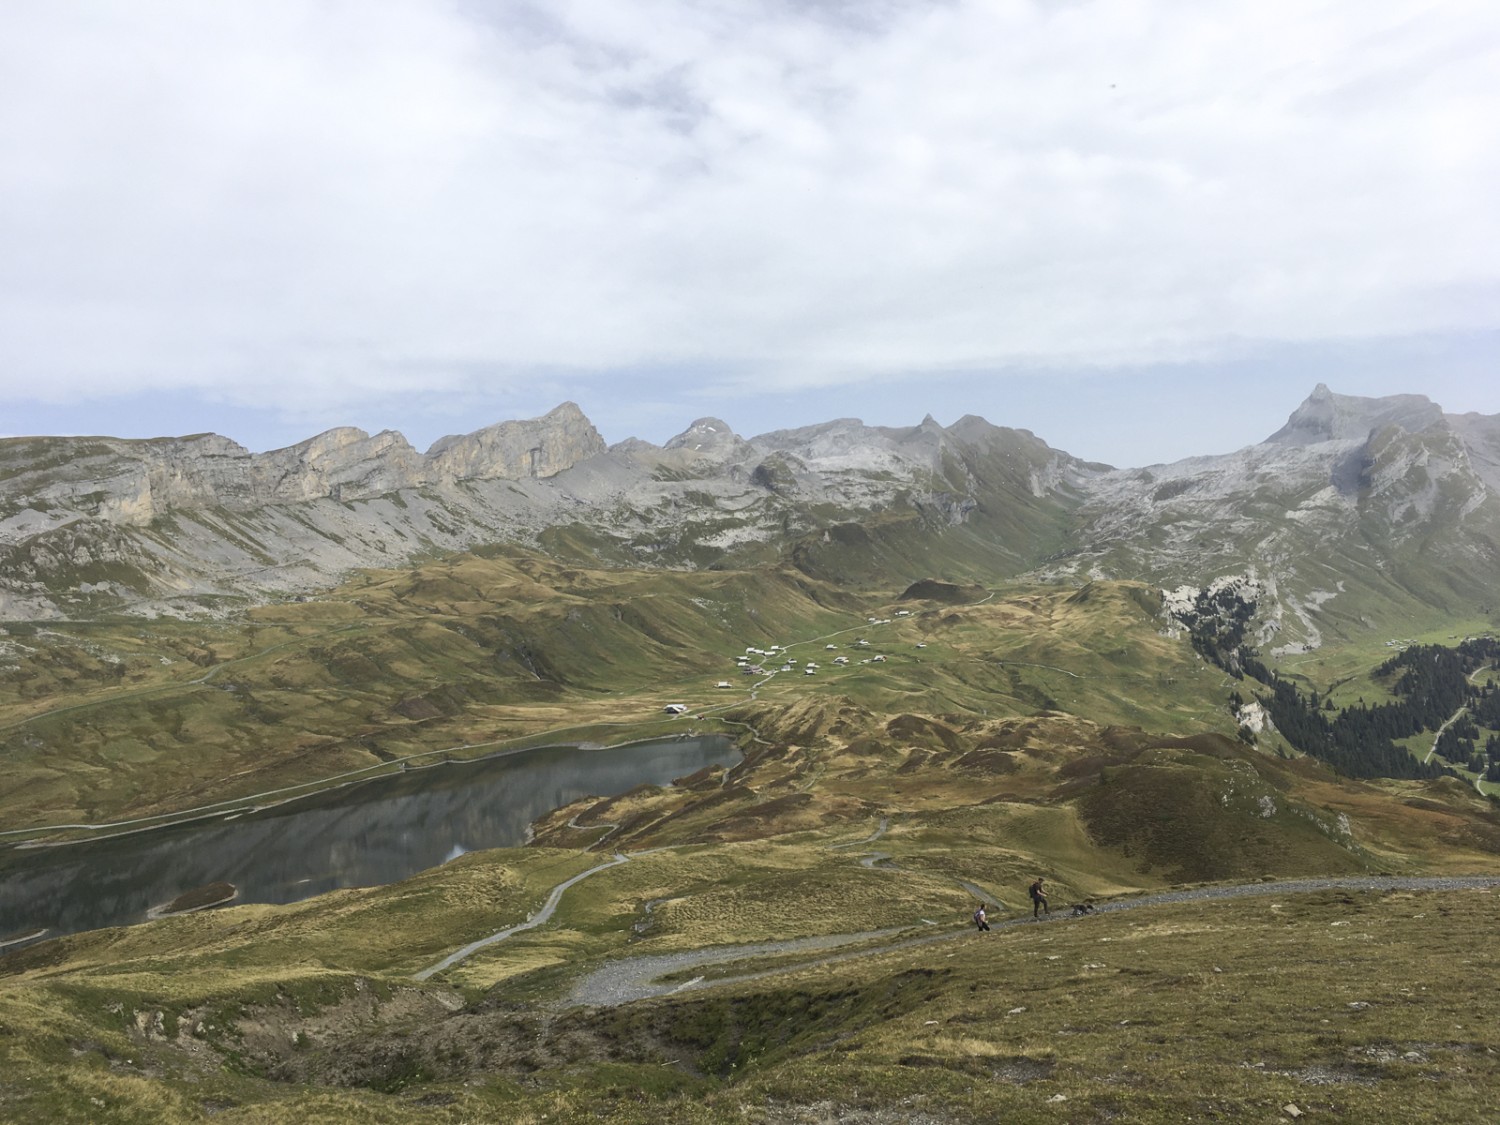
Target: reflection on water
375, 832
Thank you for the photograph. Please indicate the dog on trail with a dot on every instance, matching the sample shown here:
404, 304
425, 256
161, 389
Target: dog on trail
1084, 907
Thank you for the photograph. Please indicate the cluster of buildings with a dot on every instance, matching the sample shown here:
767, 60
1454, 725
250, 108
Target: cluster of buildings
762, 661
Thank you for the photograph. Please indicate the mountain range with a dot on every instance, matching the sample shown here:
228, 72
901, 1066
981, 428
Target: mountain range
951, 659
1357, 511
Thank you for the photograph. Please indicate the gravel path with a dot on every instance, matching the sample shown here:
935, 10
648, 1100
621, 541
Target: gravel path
537, 919
638, 978
885, 822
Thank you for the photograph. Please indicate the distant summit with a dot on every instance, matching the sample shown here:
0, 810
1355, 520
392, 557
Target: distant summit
1355, 502
710, 437
1325, 416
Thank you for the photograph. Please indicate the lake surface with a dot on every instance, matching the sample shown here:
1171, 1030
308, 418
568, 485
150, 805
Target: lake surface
373, 832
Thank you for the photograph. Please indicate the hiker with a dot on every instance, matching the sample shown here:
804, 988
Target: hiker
1038, 898
979, 919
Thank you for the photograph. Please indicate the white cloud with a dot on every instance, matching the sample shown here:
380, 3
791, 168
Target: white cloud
334, 200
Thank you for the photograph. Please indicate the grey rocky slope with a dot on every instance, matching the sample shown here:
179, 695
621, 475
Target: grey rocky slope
1356, 507
188, 526
1355, 512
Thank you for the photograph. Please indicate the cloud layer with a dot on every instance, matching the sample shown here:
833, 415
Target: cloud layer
331, 200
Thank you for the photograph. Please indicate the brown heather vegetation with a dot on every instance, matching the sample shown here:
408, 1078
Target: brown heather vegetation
1042, 731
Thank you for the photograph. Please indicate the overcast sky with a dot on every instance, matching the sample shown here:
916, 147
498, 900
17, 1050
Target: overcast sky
1142, 229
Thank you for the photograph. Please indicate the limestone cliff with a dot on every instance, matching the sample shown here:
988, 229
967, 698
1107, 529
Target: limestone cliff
50, 481
542, 447
200, 525
1355, 502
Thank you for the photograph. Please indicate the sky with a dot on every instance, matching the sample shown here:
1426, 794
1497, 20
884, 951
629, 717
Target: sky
1141, 229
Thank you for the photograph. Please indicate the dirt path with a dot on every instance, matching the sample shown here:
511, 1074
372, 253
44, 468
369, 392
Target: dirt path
541, 917
627, 979
880, 830
1453, 718
638, 978
1028, 664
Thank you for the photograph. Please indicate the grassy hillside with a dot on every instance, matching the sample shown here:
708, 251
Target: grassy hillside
102, 720
105, 720
1341, 1003
974, 740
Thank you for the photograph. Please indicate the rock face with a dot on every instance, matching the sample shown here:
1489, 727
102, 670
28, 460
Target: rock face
1354, 502
712, 439
136, 482
1326, 416
1352, 497
198, 524
341, 464
536, 449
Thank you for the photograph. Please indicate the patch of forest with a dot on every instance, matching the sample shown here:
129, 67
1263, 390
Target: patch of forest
1432, 683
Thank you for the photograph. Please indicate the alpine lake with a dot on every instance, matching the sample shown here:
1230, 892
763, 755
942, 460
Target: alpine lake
367, 833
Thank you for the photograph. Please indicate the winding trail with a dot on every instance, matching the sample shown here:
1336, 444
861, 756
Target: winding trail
638, 978
1453, 718
1438, 737
880, 830
541, 917
628, 979
1028, 664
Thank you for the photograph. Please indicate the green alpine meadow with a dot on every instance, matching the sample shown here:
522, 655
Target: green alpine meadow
1240, 714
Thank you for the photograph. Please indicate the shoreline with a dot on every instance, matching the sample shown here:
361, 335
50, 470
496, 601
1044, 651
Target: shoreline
227, 810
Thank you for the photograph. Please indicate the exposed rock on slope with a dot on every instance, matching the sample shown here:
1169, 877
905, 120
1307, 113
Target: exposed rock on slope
543, 447
1326, 416
189, 525
136, 482
1355, 502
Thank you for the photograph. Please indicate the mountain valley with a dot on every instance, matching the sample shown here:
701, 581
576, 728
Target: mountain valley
953, 658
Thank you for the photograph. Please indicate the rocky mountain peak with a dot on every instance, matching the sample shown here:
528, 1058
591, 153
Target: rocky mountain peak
709, 437
341, 462
537, 447
1325, 416
179, 524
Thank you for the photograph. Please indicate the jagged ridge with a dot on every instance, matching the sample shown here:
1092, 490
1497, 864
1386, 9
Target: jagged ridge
1355, 509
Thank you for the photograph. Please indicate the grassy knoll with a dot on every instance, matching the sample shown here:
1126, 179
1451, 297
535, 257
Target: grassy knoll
480, 652
1345, 672
1031, 731
1346, 1005
470, 652
842, 820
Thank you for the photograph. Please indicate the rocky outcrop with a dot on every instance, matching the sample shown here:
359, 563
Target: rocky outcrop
341, 464
536, 449
137, 482
199, 524
712, 439
777, 473
1325, 416
1389, 493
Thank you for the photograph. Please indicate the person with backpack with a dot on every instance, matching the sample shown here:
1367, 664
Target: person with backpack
1038, 898
980, 921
